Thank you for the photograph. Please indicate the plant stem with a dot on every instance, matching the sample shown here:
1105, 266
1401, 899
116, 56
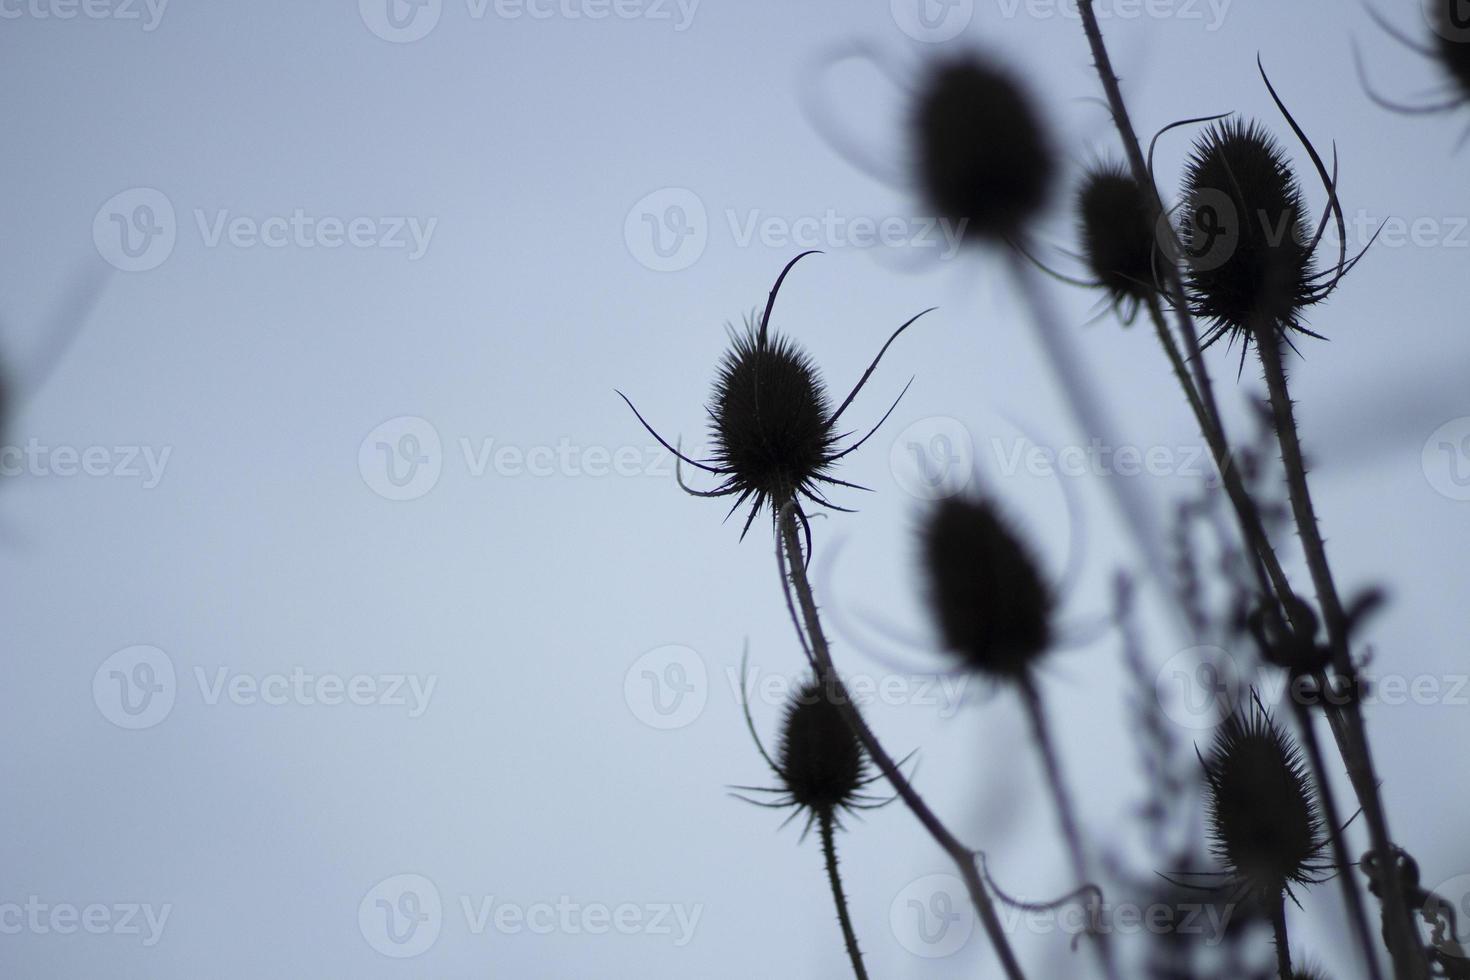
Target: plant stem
1408, 955
792, 566
1066, 815
1090, 415
1283, 947
1347, 725
829, 851
1357, 919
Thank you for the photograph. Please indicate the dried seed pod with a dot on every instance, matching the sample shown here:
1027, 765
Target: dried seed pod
1246, 234
771, 419
988, 597
775, 434
1118, 236
981, 154
820, 759
820, 763
1265, 827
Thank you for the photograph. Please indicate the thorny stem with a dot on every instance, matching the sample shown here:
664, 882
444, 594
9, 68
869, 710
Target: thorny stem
1347, 725
1347, 721
1271, 578
1265, 565
1066, 814
829, 851
792, 566
1350, 897
1283, 946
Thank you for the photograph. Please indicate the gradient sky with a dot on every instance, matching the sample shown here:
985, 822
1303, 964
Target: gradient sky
339, 425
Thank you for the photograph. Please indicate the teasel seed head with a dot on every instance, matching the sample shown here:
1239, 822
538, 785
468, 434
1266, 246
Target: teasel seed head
774, 431
821, 760
1265, 827
820, 764
982, 156
770, 417
1245, 231
1118, 235
992, 606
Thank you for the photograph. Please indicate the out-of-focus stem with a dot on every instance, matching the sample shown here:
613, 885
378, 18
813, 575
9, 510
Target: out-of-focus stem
1066, 815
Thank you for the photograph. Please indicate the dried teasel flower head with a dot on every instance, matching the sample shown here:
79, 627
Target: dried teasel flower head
1118, 235
820, 764
1250, 243
820, 759
776, 437
988, 597
981, 155
1245, 232
1265, 827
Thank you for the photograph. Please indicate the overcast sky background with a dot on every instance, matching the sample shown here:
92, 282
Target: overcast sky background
538, 590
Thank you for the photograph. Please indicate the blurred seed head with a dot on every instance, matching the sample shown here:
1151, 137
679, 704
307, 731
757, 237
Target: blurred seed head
987, 594
1246, 233
1452, 41
1265, 827
981, 154
1118, 236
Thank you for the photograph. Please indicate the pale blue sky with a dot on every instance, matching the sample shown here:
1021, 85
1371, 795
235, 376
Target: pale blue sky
451, 229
